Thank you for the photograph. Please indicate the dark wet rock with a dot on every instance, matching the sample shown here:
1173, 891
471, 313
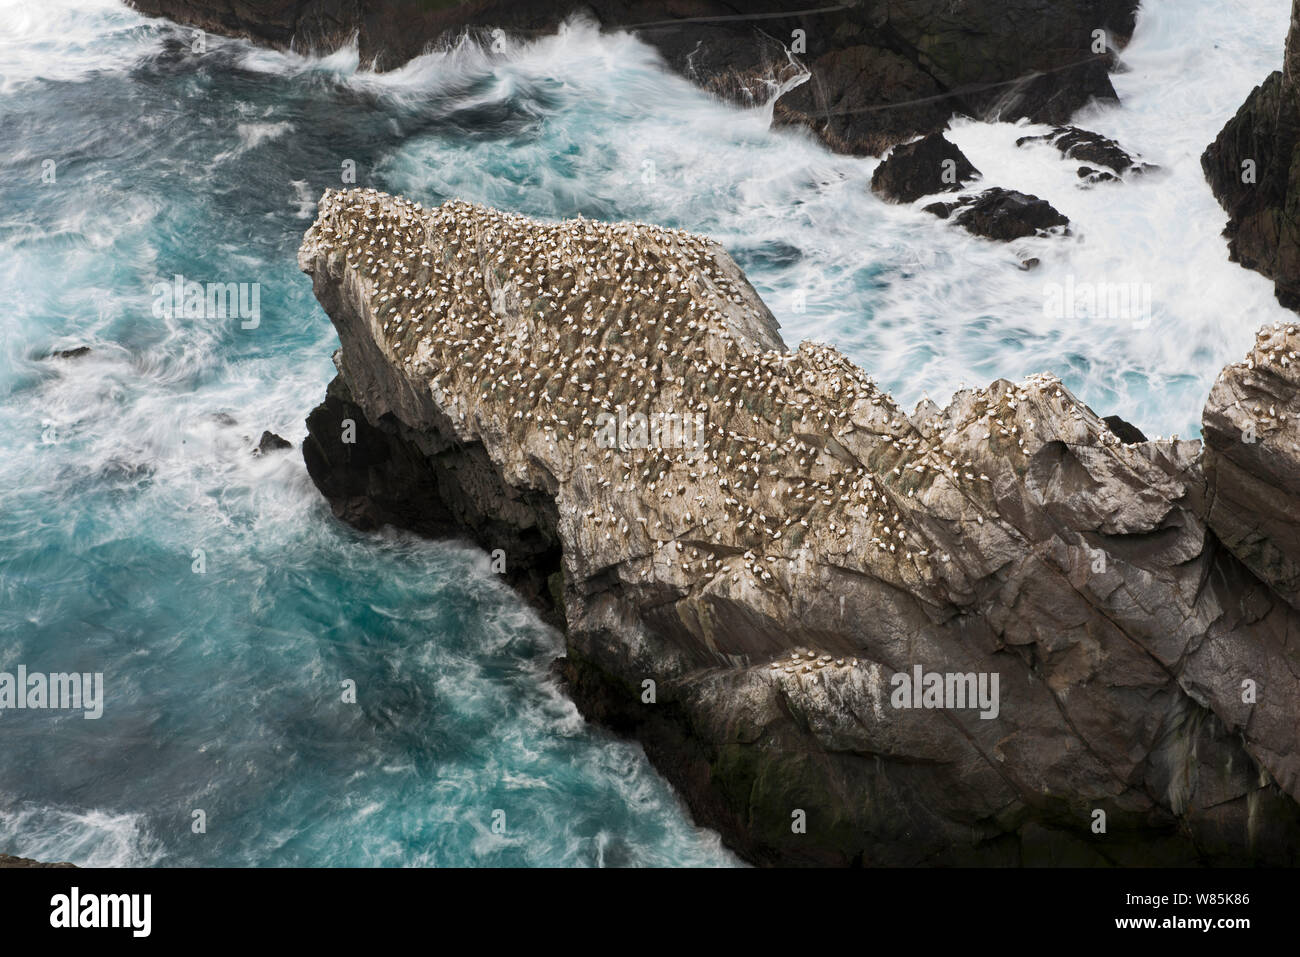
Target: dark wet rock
864, 99
1127, 432
223, 418
8, 861
1089, 147
270, 442
1002, 214
885, 72
775, 577
390, 475
1031, 263
1096, 175
74, 353
1253, 167
930, 165
879, 72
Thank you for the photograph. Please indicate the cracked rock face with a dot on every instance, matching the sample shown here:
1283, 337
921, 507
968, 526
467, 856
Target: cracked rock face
749, 548
1252, 459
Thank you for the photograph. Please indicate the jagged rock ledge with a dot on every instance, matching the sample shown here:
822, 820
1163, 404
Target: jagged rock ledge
770, 565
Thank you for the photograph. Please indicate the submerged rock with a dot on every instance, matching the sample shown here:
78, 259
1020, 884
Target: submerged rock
1002, 214
74, 353
1093, 176
1253, 167
778, 581
1089, 147
270, 442
930, 165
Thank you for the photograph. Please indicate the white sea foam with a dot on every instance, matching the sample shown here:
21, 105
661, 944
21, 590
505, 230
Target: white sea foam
87, 838
67, 40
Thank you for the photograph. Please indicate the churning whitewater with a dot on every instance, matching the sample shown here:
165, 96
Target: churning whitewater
280, 689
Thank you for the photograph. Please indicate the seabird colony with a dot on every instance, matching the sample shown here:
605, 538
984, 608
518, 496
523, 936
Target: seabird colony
528, 331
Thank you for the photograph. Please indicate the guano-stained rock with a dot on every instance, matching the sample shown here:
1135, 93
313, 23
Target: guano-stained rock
1252, 460
772, 566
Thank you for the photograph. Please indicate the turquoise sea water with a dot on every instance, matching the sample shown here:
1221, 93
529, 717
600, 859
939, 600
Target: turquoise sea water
224, 688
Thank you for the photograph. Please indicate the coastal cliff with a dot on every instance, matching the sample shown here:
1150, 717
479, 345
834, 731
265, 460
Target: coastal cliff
863, 76
1253, 166
752, 550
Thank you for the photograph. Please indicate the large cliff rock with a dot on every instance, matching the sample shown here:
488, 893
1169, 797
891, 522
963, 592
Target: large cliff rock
745, 545
879, 72
1254, 169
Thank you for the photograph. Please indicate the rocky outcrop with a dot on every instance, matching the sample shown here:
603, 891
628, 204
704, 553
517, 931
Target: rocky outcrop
879, 72
933, 165
270, 442
1252, 460
1002, 214
1253, 166
930, 165
75, 352
1089, 147
754, 553
1127, 432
